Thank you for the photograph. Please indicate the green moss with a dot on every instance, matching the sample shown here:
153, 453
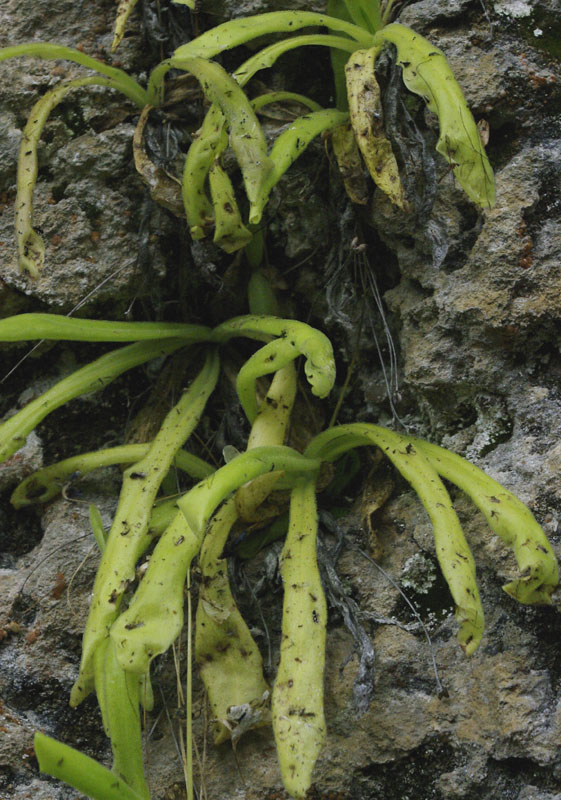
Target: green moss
548, 41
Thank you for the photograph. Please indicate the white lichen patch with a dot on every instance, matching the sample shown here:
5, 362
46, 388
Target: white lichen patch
418, 574
513, 8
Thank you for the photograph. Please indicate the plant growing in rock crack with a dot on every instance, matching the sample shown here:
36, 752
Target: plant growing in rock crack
125, 633
130, 623
361, 32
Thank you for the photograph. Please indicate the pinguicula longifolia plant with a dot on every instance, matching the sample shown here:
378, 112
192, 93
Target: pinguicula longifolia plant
360, 34
120, 643
130, 623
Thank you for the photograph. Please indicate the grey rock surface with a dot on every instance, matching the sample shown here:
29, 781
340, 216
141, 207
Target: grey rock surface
472, 302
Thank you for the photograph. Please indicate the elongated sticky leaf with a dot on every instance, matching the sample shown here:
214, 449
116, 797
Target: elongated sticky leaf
154, 618
509, 518
229, 231
364, 13
427, 73
452, 550
229, 660
239, 31
31, 248
208, 144
26, 327
292, 142
211, 140
263, 100
90, 378
124, 10
350, 163
270, 428
298, 715
118, 695
46, 483
56, 52
246, 136
128, 537
294, 339
80, 771
365, 108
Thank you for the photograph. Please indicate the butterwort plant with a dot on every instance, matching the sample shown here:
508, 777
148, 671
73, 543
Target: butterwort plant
358, 32
132, 620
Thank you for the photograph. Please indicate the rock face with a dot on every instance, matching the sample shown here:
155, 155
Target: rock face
473, 311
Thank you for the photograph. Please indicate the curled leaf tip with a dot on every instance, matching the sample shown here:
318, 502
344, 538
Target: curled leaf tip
531, 590
427, 74
540, 577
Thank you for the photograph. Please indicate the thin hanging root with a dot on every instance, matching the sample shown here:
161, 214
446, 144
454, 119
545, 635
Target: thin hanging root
365, 107
509, 518
230, 662
452, 550
298, 717
270, 428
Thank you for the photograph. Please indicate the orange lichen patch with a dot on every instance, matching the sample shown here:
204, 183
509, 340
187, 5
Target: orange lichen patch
59, 586
8, 628
32, 635
538, 80
526, 258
